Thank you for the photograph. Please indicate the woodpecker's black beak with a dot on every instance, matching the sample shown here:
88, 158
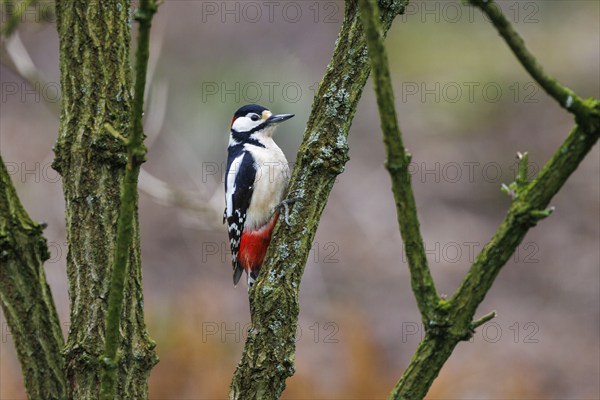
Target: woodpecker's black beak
275, 119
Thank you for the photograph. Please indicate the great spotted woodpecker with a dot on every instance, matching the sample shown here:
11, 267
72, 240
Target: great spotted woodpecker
255, 182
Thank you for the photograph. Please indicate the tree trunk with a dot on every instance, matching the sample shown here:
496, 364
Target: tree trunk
96, 89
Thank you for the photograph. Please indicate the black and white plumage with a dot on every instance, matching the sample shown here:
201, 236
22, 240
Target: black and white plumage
256, 178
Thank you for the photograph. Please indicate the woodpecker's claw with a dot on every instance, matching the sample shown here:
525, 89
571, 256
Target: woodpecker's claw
286, 210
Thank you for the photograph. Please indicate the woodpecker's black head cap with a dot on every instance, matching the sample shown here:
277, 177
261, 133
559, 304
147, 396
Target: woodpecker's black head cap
250, 108
254, 118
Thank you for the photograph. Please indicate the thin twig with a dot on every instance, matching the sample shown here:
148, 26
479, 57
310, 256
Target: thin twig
486, 318
565, 97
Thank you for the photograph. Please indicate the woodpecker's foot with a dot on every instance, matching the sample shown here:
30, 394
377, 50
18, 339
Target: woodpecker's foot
252, 276
286, 210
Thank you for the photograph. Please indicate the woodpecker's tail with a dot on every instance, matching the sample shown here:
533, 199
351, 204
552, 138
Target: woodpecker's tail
237, 273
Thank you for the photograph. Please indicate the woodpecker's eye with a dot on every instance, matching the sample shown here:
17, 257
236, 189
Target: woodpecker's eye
254, 117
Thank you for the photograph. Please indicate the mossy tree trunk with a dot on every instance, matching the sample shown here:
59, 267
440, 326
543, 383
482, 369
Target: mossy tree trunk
96, 89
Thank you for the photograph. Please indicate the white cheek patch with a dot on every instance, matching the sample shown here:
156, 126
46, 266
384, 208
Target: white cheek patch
244, 124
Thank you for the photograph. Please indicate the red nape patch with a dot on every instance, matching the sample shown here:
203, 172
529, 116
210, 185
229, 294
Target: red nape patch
254, 245
233, 120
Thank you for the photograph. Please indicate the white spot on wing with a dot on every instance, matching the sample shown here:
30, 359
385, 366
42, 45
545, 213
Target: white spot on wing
231, 174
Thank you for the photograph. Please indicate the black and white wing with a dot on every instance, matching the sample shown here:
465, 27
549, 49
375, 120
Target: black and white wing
239, 185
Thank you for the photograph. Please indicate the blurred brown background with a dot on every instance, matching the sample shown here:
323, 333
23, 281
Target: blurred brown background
466, 107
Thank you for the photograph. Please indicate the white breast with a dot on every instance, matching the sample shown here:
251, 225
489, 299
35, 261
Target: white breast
272, 177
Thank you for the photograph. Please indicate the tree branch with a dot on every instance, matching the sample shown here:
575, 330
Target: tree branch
454, 321
525, 212
454, 318
269, 354
136, 154
26, 298
565, 97
397, 163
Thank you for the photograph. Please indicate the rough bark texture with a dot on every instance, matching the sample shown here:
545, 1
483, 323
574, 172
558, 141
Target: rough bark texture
269, 354
26, 298
96, 84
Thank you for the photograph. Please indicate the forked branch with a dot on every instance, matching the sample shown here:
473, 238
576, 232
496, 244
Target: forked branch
449, 322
